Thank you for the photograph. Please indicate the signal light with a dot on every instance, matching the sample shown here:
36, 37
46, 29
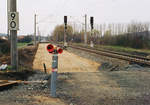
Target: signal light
92, 22
60, 51
65, 20
50, 48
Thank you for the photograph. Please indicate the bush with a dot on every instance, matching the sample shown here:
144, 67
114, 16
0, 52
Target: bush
4, 46
134, 40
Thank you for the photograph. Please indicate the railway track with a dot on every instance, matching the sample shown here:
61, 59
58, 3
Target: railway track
123, 56
7, 83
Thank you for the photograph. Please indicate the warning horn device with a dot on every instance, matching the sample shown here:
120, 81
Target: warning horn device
50, 48
60, 50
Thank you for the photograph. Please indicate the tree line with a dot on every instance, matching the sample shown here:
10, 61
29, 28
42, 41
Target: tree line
134, 34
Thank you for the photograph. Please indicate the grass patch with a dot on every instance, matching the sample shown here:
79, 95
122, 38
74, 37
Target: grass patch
123, 49
21, 45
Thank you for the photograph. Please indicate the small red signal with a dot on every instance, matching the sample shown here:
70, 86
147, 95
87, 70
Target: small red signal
60, 51
50, 48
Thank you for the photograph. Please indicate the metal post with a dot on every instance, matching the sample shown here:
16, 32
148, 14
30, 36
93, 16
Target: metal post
92, 27
13, 34
57, 38
91, 43
54, 74
8, 35
45, 70
74, 28
65, 30
65, 36
35, 29
85, 34
8, 10
39, 34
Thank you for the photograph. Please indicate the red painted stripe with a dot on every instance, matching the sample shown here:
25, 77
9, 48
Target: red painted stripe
54, 70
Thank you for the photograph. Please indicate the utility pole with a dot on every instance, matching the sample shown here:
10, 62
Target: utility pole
8, 10
74, 28
39, 35
13, 33
85, 34
64, 36
35, 29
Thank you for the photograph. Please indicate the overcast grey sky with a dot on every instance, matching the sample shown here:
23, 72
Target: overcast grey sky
51, 12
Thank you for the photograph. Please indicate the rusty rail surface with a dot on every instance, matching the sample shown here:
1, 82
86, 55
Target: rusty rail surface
8, 83
5, 83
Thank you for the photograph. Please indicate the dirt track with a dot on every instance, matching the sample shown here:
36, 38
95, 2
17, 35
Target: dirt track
68, 62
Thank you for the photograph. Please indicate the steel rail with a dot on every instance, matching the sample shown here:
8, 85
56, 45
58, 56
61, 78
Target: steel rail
8, 83
126, 57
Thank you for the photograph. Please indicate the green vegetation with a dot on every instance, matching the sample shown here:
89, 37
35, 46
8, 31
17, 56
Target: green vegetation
4, 47
123, 49
22, 42
58, 33
134, 35
9, 67
117, 48
25, 39
21, 45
